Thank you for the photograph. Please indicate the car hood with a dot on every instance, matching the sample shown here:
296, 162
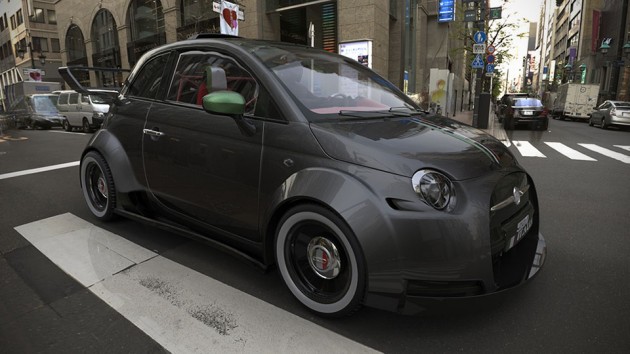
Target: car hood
405, 145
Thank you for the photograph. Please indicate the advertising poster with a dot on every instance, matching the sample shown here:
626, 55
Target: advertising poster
360, 51
438, 87
229, 18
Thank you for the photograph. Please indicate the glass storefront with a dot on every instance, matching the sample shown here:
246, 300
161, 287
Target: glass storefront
76, 53
197, 16
105, 47
145, 21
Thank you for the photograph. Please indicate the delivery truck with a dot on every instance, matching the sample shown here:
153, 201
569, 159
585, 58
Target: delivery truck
32, 104
575, 101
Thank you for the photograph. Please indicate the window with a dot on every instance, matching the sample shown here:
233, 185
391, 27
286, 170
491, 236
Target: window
1, 24
54, 45
38, 15
40, 44
146, 82
52, 17
85, 99
20, 19
74, 98
189, 86
13, 24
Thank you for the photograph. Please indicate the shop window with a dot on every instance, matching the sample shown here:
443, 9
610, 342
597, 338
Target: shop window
52, 17
75, 47
38, 15
146, 19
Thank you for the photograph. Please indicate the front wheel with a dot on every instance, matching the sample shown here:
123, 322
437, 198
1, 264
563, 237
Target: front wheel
66, 125
320, 260
98, 187
86, 126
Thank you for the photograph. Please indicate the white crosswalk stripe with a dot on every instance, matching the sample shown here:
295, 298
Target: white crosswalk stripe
527, 149
181, 309
569, 152
606, 152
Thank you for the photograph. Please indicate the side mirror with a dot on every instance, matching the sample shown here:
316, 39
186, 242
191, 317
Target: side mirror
231, 104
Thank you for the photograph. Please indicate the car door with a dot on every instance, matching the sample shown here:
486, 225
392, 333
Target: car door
201, 166
600, 113
74, 110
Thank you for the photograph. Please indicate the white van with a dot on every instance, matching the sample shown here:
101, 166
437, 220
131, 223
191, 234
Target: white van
85, 111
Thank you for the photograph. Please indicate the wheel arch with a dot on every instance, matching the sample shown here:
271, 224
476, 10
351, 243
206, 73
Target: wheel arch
343, 194
112, 151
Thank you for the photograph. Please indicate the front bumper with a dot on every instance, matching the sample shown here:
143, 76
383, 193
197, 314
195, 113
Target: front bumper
467, 254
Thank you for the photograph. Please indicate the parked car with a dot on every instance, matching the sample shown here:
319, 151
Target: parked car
311, 162
611, 113
526, 111
80, 110
37, 111
506, 102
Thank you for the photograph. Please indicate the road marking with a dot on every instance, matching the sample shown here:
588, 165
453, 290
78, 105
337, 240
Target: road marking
606, 152
569, 152
625, 147
38, 170
526, 149
64, 132
181, 309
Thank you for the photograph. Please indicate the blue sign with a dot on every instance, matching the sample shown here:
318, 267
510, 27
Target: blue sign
490, 59
490, 68
477, 63
446, 11
480, 37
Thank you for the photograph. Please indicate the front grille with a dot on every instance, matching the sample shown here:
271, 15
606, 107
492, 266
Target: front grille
444, 288
507, 216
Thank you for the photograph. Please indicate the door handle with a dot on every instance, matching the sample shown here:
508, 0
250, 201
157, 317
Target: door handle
152, 132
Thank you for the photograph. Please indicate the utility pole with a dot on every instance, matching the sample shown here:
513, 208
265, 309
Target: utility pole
481, 25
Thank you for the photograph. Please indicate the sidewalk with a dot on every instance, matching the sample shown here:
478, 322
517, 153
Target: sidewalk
494, 127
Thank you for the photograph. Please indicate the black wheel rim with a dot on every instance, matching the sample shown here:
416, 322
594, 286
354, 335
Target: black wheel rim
311, 284
96, 186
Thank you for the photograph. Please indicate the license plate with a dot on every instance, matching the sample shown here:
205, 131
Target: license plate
515, 232
528, 113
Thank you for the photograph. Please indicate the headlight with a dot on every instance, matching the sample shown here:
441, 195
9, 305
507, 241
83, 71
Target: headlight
434, 188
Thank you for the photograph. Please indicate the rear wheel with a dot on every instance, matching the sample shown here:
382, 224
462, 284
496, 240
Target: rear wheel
590, 122
320, 260
604, 125
98, 187
86, 126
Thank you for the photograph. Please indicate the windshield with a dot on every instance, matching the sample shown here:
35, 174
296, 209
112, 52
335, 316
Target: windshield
327, 85
97, 99
44, 103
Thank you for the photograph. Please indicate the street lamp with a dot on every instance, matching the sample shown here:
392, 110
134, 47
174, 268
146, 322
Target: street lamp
21, 51
605, 45
569, 72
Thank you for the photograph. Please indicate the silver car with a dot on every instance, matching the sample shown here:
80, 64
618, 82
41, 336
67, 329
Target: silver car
611, 113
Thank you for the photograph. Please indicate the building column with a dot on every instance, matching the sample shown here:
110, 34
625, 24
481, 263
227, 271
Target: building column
170, 23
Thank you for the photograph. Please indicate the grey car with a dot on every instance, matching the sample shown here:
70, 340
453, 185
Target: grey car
306, 161
611, 113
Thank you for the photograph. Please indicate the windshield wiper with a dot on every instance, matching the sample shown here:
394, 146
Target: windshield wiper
373, 114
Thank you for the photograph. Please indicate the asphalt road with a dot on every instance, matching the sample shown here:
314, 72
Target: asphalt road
578, 303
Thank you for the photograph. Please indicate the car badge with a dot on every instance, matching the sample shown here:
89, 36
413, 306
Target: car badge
516, 193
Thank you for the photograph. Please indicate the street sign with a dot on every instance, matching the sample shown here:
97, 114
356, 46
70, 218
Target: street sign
490, 68
495, 13
490, 49
490, 59
480, 37
479, 48
477, 63
470, 15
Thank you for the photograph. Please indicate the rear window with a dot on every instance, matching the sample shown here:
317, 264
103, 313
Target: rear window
623, 104
527, 102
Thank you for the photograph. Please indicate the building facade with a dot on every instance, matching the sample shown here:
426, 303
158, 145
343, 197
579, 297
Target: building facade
29, 42
405, 38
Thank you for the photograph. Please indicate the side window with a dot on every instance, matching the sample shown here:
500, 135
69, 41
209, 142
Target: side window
85, 99
146, 82
189, 80
74, 98
63, 98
